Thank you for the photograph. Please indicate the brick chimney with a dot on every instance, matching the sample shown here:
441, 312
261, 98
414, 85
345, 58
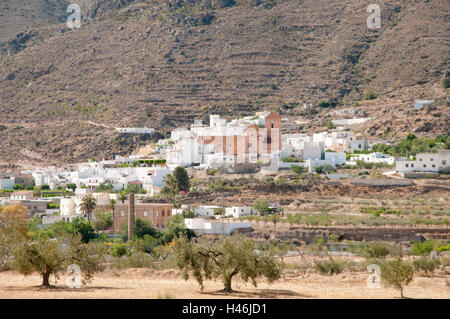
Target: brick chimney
131, 215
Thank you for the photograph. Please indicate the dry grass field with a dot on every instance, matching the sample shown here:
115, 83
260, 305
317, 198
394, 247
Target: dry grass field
152, 284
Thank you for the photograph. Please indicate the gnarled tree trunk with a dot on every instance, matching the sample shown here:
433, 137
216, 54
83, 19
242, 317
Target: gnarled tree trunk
46, 277
227, 280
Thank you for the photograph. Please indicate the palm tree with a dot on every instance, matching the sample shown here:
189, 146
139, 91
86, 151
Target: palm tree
112, 204
122, 197
88, 204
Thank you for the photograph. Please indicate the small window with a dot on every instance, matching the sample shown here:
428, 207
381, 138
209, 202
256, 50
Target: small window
122, 213
163, 213
433, 165
431, 159
424, 165
406, 165
145, 214
412, 165
444, 162
420, 159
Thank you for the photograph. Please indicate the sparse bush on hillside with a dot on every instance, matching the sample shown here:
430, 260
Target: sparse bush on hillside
298, 169
446, 82
323, 169
330, 267
369, 95
412, 145
326, 104
211, 171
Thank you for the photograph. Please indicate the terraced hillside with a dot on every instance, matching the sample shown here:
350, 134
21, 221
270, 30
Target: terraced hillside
164, 63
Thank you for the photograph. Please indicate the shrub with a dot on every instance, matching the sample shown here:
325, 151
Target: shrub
369, 95
397, 273
118, 250
211, 171
298, 169
331, 266
446, 82
322, 169
326, 104
426, 264
290, 159
374, 250
136, 260
322, 219
425, 247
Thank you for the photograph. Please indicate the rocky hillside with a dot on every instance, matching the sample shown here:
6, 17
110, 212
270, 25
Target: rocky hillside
164, 63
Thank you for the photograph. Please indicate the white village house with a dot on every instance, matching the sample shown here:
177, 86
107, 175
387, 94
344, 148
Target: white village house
425, 162
217, 227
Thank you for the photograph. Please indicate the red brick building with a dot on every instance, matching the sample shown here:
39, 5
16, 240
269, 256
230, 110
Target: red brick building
157, 214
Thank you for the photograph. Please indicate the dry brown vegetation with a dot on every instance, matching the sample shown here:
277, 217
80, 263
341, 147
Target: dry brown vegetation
148, 64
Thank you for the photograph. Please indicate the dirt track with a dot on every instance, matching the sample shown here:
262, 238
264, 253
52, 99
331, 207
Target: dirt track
146, 283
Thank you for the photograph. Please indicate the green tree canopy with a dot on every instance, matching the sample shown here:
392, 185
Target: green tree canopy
88, 204
182, 178
397, 273
226, 259
261, 205
52, 256
71, 186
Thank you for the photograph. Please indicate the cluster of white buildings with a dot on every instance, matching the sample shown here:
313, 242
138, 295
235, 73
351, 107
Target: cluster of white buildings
223, 144
324, 148
255, 140
117, 173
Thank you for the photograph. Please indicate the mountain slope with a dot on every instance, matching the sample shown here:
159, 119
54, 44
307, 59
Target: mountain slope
162, 64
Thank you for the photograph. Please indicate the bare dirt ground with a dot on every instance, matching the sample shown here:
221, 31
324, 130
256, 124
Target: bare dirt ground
147, 283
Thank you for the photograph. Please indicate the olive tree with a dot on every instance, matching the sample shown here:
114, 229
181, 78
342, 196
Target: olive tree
51, 256
226, 259
397, 273
13, 226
